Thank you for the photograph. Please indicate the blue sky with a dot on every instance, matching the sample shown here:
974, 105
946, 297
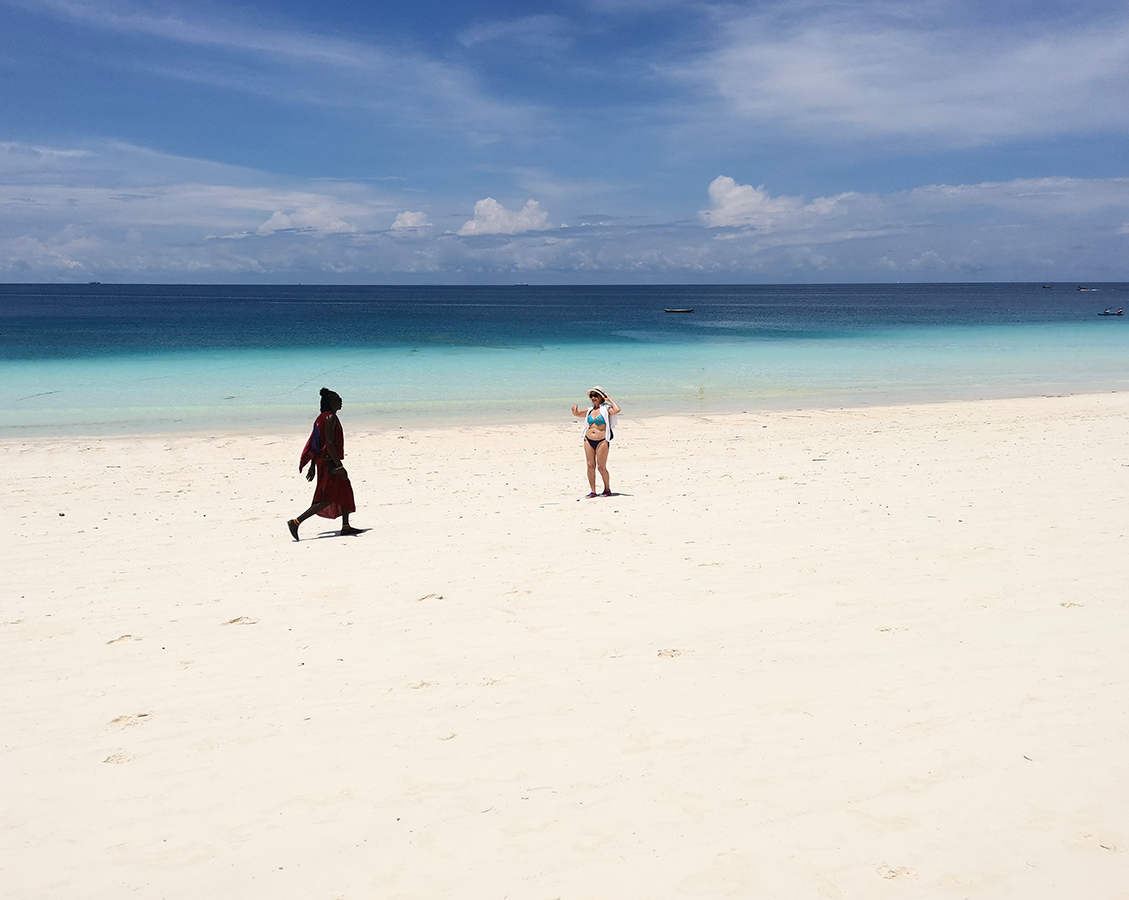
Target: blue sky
566, 142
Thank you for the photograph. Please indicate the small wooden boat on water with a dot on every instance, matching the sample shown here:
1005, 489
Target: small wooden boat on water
688, 310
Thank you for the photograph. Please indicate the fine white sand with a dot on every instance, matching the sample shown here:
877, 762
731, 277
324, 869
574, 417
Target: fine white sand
867, 653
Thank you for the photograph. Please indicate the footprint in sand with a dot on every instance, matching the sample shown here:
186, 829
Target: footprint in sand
242, 620
1070, 603
1104, 843
124, 637
670, 653
117, 758
135, 719
429, 597
889, 873
420, 685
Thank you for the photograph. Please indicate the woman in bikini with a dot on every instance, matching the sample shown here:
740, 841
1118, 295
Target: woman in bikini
597, 433
333, 495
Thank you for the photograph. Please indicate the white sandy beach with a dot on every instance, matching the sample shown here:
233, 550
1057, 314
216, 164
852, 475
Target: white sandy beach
862, 653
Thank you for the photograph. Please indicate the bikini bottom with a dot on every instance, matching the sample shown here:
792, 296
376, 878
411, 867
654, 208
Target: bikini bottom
594, 444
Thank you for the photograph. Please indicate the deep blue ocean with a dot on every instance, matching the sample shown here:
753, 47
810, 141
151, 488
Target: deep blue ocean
121, 358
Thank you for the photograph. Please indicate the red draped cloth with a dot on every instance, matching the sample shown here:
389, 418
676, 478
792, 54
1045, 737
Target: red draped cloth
333, 490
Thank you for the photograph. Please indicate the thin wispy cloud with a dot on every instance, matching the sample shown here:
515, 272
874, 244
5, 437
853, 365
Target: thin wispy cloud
300, 65
543, 32
116, 185
1040, 196
621, 7
194, 25
873, 70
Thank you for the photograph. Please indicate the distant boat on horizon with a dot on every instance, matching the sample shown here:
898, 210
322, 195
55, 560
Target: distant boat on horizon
686, 310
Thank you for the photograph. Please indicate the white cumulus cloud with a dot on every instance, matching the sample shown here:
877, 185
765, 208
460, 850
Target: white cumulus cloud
410, 221
319, 220
490, 217
742, 204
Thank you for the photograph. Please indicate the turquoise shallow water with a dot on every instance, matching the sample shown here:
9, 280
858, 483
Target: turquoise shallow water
382, 387
143, 358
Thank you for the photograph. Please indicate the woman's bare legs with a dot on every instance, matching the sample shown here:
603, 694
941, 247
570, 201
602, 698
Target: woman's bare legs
601, 454
590, 456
